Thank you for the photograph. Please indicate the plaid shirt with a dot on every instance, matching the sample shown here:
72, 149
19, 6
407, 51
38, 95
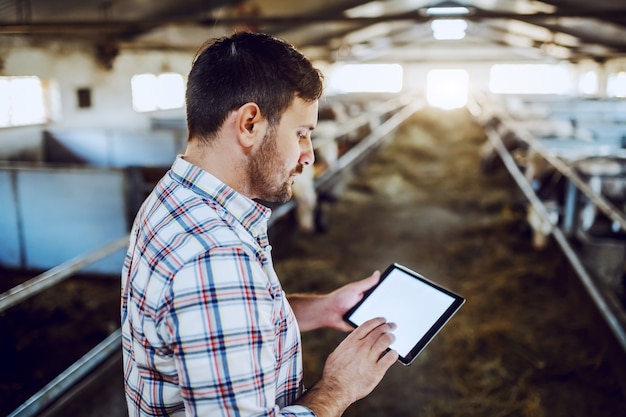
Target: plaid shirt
207, 329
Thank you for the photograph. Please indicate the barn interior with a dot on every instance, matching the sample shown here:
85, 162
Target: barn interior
479, 142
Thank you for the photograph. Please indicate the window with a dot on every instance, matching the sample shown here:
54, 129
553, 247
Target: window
616, 85
529, 79
588, 83
158, 92
448, 29
22, 101
447, 88
366, 78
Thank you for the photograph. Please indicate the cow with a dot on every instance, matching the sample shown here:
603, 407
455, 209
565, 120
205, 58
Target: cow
549, 186
324, 138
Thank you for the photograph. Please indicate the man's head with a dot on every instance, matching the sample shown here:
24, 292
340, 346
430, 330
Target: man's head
246, 67
282, 153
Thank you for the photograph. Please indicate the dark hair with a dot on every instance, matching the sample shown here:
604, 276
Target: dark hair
246, 67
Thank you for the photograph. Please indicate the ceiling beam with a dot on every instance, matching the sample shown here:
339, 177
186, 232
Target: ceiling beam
112, 27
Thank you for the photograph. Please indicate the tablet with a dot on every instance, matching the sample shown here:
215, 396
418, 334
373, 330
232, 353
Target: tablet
419, 307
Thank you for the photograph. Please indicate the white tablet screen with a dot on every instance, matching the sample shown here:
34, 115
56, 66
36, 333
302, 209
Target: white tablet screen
414, 306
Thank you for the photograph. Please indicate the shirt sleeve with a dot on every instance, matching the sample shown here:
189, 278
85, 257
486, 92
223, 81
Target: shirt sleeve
221, 328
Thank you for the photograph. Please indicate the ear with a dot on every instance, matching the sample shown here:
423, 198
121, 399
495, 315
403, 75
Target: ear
250, 124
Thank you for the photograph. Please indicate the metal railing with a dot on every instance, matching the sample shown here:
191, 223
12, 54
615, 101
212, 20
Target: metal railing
613, 314
57, 274
68, 378
402, 107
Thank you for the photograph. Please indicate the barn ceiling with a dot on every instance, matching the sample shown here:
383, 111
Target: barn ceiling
336, 30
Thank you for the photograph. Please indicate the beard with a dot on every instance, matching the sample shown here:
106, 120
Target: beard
269, 178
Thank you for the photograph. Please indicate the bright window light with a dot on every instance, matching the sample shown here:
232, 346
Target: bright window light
588, 83
171, 90
447, 88
448, 29
366, 78
5, 102
22, 101
616, 85
529, 79
158, 92
144, 89
434, 11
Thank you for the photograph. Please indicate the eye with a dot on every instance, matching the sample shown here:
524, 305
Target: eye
303, 135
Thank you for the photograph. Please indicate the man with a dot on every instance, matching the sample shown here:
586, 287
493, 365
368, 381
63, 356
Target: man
207, 329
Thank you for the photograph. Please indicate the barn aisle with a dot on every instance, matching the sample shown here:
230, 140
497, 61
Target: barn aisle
527, 342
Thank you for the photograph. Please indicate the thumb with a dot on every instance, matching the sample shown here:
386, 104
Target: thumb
367, 283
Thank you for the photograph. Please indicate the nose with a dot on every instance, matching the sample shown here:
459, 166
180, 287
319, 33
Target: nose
307, 156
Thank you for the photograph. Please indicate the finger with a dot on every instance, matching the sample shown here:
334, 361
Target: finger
366, 328
370, 281
365, 284
388, 359
383, 338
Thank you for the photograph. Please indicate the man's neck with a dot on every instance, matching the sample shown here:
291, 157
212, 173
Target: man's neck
220, 161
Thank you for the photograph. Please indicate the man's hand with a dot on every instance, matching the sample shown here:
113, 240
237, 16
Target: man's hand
344, 298
315, 311
353, 370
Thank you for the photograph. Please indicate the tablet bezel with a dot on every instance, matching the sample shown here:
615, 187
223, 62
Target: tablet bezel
420, 344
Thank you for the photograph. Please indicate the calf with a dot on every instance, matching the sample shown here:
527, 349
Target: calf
549, 185
326, 155
306, 199
606, 176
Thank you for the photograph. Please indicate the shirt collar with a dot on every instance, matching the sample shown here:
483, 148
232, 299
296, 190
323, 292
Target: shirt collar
252, 215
